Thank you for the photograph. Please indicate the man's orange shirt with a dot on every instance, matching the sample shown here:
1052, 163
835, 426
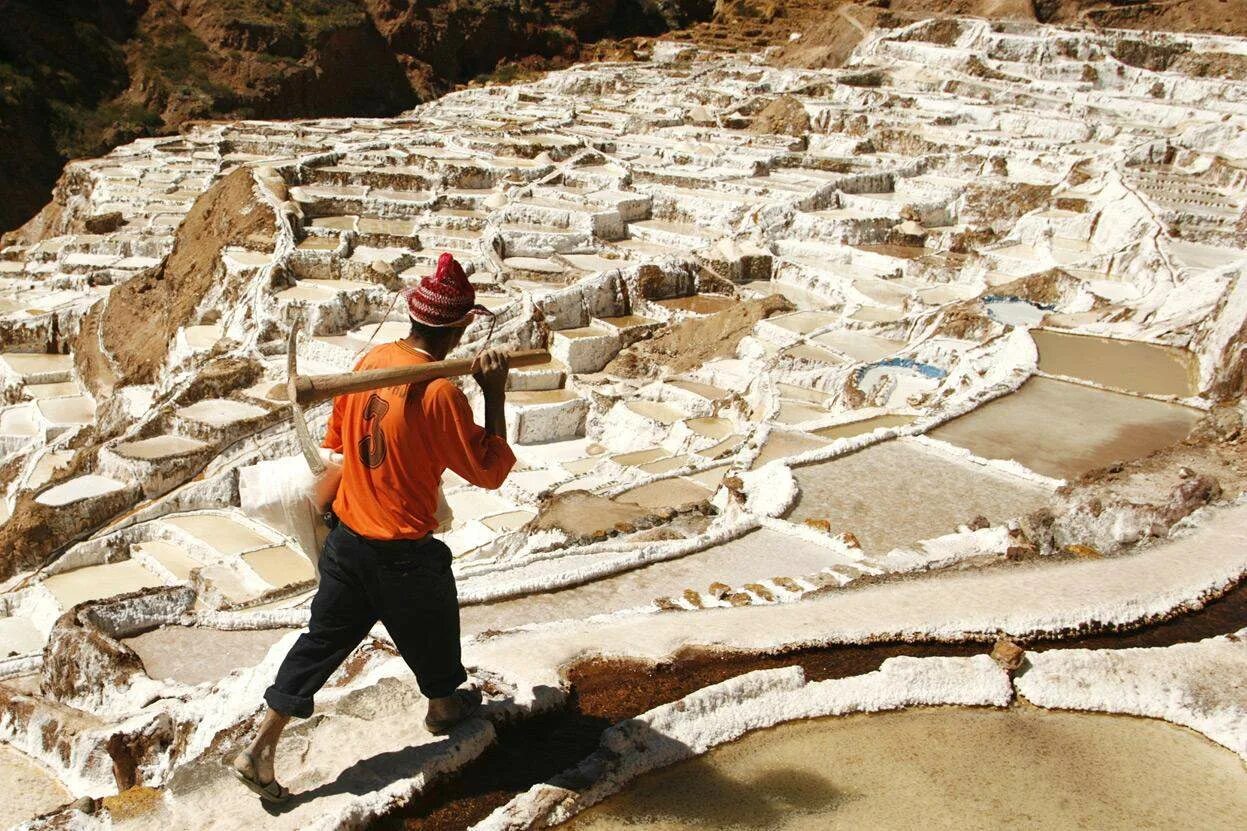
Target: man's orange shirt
398, 441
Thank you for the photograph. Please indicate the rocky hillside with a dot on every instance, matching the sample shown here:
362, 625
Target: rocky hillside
1227, 17
830, 29
80, 76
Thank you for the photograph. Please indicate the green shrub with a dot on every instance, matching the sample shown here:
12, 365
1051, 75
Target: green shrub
15, 85
82, 131
508, 73
177, 56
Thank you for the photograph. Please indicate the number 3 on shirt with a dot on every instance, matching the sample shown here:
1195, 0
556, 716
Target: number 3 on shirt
372, 445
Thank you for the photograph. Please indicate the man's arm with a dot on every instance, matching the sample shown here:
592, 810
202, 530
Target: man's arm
490, 371
480, 456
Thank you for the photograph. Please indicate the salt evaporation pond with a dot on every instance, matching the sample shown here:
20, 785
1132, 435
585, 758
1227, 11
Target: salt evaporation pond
897, 493
280, 566
1062, 430
665, 493
221, 532
27, 789
1014, 311
192, 655
1148, 368
953, 768
782, 443
704, 304
859, 346
865, 425
94, 582
759, 555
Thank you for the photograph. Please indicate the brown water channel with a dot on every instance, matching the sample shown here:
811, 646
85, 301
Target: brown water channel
944, 768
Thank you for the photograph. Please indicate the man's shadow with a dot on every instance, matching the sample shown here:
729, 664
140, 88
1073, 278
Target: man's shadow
698, 794
563, 750
381, 770
695, 792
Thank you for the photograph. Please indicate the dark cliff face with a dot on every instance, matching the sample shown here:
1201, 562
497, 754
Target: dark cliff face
454, 40
59, 64
78, 77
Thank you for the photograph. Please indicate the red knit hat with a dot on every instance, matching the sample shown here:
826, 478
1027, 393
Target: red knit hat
445, 297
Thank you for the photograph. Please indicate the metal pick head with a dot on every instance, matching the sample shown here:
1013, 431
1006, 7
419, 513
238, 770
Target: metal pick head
310, 451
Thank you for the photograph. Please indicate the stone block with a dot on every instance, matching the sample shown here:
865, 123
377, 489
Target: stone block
585, 349
545, 416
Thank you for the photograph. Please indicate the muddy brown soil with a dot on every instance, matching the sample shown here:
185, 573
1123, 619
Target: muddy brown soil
1008, 201
29, 537
604, 692
829, 29
582, 514
995, 9
1224, 17
829, 38
690, 343
220, 376
1215, 16
141, 316
1047, 287
785, 115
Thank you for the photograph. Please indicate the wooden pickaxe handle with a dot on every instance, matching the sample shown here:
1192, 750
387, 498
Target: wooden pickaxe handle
311, 389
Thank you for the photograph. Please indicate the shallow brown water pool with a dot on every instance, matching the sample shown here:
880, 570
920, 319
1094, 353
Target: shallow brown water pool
26, 788
944, 768
897, 493
865, 425
1146, 368
1063, 430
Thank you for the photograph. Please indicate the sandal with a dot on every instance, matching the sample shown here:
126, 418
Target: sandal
469, 702
273, 792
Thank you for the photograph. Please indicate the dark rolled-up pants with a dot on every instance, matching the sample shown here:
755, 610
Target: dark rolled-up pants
407, 585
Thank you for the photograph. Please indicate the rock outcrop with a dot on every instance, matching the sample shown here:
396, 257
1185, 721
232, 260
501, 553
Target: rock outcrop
135, 343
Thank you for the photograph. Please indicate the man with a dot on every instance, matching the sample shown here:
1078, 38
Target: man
381, 561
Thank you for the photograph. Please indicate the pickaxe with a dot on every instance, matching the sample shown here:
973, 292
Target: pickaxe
305, 390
